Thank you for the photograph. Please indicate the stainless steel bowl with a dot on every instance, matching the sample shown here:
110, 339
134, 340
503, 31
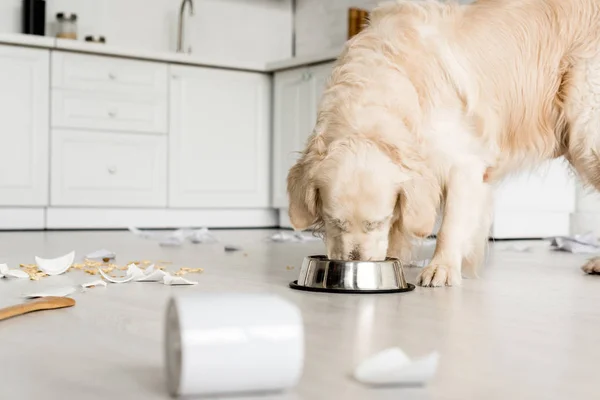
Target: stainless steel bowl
318, 273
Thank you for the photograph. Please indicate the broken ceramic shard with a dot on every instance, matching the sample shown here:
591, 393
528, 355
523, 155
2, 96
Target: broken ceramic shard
102, 254
152, 275
55, 266
177, 280
393, 367
133, 272
60, 291
97, 282
6, 272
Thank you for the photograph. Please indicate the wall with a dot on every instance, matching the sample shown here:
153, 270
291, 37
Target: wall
322, 25
221, 30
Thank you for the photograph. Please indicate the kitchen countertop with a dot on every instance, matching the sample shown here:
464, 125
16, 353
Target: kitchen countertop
169, 57
527, 329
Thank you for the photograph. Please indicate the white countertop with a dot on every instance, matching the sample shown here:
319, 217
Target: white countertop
170, 57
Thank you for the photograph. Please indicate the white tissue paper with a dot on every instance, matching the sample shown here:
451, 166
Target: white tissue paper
393, 367
6, 272
55, 266
583, 244
101, 255
177, 281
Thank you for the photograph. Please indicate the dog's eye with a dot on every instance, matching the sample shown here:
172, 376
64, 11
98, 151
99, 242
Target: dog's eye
370, 226
341, 225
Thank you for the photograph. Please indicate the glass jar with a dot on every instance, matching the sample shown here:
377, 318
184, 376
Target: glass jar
67, 26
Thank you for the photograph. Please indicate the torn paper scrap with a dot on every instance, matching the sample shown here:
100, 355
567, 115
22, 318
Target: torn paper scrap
133, 272
393, 367
582, 244
151, 275
97, 282
293, 237
142, 234
202, 235
55, 266
60, 291
102, 254
6, 272
518, 248
177, 280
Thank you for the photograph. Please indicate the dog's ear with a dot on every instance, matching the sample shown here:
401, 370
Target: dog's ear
303, 195
418, 205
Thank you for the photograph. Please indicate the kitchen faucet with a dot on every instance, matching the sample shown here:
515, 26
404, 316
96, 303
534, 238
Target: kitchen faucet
180, 28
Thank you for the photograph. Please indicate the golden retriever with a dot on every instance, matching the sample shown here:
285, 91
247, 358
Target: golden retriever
429, 106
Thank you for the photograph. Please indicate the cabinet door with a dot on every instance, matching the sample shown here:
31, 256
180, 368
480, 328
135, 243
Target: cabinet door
92, 168
319, 76
219, 138
292, 126
24, 109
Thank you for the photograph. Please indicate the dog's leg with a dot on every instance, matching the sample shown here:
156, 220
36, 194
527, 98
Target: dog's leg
474, 256
465, 205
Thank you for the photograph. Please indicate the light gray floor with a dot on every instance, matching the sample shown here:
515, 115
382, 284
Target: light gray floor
527, 329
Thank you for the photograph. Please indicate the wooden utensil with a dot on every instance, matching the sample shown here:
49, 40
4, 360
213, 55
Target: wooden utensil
43, 303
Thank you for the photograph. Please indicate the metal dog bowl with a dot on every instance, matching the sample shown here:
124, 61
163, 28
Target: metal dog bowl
319, 274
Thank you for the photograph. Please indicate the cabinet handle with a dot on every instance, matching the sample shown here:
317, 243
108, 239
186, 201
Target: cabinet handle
112, 76
112, 169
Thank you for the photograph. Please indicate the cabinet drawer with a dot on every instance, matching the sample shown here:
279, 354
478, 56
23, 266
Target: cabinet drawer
90, 72
108, 169
109, 111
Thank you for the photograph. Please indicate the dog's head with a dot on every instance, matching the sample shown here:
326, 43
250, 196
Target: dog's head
354, 190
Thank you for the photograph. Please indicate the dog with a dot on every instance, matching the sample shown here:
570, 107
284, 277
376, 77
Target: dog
430, 106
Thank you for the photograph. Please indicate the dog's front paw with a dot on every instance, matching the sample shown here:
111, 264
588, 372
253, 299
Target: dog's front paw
592, 266
439, 275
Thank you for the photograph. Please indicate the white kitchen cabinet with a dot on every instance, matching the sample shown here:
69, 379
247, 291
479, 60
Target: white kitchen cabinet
219, 138
108, 169
24, 110
535, 204
297, 95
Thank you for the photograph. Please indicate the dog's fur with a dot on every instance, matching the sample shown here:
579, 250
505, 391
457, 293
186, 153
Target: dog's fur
430, 105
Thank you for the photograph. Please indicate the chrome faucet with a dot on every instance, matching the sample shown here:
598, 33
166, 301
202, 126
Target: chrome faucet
180, 28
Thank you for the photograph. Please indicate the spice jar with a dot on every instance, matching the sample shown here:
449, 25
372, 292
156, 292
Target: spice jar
67, 26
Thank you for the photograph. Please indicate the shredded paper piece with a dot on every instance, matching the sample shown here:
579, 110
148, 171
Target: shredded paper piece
6, 272
393, 367
178, 237
579, 244
55, 266
293, 237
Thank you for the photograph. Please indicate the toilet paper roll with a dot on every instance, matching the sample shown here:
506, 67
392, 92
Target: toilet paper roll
232, 343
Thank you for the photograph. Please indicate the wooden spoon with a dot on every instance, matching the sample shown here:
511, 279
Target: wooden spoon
43, 303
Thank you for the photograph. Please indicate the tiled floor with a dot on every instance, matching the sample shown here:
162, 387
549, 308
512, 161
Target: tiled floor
527, 329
